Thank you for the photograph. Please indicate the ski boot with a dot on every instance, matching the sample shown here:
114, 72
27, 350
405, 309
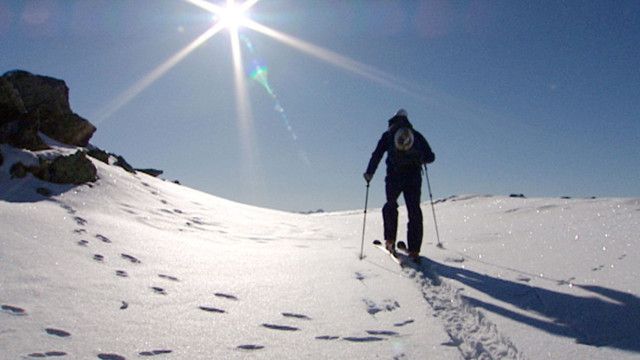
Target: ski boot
415, 256
390, 245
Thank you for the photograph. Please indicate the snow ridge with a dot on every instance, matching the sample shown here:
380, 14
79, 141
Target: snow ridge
475, 336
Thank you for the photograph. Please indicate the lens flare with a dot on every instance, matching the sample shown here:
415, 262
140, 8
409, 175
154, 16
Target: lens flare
134, 90
331, 57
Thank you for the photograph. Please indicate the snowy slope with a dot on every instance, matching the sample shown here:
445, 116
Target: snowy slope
133, 266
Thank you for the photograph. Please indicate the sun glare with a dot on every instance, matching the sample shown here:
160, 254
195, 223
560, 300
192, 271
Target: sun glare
232, 16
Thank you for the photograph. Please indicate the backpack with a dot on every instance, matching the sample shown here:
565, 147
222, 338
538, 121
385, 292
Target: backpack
405, 152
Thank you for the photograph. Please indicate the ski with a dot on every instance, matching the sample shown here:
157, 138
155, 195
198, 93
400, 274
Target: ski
394, 256
424, 265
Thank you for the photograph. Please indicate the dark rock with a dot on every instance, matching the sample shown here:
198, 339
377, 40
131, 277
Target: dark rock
151, 172
46, 102
11, 105
73, 169
99, 155
120, 161
15, 127
319, 211
517, 196
22, 134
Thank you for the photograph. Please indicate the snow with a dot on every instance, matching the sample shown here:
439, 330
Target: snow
133, 266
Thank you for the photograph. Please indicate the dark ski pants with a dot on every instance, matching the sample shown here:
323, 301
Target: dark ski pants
409, 184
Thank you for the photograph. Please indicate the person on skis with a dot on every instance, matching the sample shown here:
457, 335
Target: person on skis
407, 152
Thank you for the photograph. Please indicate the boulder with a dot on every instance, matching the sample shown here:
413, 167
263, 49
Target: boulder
46, 102
73, 169
120, 161
99, 154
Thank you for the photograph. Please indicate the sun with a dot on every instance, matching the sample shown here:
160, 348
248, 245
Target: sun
232, 16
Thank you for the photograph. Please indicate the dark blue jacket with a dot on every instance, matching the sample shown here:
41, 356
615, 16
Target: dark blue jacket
396, 164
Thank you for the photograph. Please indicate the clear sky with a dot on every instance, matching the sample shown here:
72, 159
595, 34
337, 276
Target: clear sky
540, 98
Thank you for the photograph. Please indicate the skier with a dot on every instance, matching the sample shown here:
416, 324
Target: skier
407, 151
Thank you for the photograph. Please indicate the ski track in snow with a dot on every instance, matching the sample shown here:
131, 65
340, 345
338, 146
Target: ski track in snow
470, 331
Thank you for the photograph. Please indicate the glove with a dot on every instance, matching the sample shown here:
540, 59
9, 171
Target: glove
367, 177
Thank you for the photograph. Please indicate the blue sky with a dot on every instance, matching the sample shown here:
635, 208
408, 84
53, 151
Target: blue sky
540, 98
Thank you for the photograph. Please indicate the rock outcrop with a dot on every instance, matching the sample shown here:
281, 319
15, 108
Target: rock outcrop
72, 169
30, 103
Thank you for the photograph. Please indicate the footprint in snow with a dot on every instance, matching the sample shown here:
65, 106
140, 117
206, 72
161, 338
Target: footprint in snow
158, 290
104, 356
360, 276
57, 332
68, 208
327, 337
98, 257
103, 238
122, 273
48, 354
132, 259
454, 259
154, 352
168, 277
83, 243
124, 306
211, 309
363, 339
79, 231
598, 268
226, 296
250, 347
387, 305
296, 316
524, 278
80, 221
382, 332
406, 322
13, 310
569, 281
280, 327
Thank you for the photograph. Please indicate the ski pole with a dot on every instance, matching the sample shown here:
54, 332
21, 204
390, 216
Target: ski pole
433, 209
364, 224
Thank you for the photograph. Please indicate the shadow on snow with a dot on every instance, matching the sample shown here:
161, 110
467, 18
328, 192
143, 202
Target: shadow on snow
614, 322
27, 190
